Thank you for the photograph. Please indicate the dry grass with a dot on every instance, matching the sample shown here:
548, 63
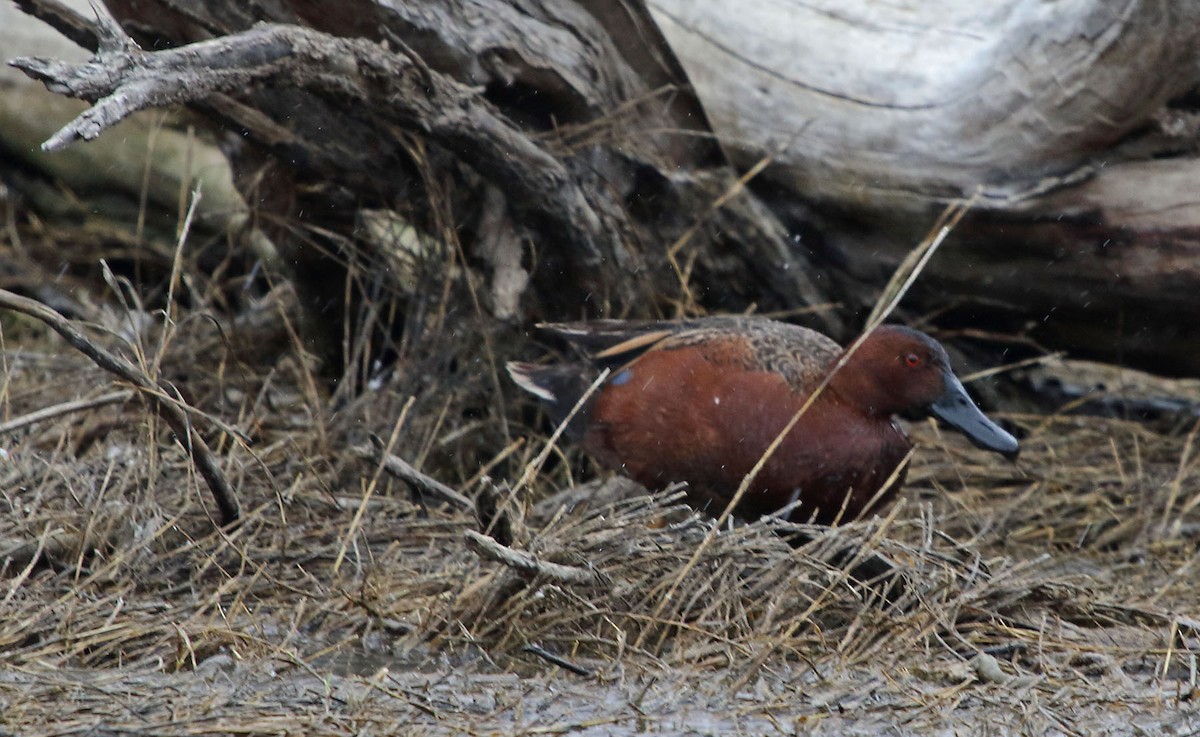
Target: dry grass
1056, 595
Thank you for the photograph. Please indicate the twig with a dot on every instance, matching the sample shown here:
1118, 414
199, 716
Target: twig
527, 564
122, 79
403, 470
164, 398
558, 660
66, 408
369, 491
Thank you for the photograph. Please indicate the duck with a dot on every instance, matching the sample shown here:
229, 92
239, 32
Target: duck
701, 401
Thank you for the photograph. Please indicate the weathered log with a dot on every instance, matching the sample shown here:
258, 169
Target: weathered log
1072, 124
865, 103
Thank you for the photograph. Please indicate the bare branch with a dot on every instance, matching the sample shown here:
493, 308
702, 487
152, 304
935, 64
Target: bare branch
65, 20
355, 73
65, 408
528, 565
558, 660
164, 398
403, 470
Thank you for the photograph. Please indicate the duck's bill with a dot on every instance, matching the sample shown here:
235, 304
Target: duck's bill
956, 409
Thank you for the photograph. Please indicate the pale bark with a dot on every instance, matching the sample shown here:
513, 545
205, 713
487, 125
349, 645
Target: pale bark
1073, 124
900, 104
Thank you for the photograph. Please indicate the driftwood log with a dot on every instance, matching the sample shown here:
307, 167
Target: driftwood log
1073, 125
561, 146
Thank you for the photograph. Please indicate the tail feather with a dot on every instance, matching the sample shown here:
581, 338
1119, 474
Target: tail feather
559, 387
530, 377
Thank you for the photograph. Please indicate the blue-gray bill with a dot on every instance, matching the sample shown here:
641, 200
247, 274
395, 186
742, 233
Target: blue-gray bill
956, 409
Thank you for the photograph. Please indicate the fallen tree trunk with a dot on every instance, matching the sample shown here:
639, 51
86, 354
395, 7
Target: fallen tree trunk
1072, 125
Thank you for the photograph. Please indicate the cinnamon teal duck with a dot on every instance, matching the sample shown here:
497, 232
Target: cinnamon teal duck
701, 400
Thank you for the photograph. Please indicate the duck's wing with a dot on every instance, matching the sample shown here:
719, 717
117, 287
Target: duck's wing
800, 355
614, 343
803, 357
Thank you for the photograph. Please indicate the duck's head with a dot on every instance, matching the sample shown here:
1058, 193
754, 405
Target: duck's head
901, 371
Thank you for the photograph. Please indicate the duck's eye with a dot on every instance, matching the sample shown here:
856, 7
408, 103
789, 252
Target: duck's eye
912, 360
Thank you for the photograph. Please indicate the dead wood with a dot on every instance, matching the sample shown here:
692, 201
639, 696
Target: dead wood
63, 19
558, 660
1074, 570
124, 79
403, 470
599, 150
528, 565
164, 398
1073, 125
64, 408
1005, 100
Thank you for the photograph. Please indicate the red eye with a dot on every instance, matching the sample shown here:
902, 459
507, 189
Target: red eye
912, 360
